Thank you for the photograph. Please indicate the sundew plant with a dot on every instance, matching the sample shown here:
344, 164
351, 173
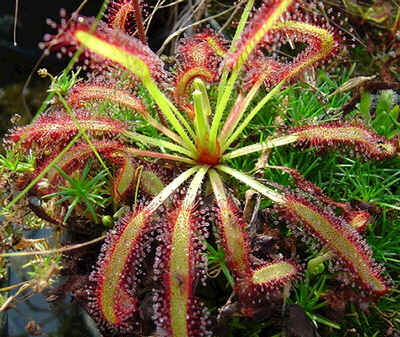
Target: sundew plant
158, 147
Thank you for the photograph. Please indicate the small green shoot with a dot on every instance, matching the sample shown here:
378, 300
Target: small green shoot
82, 190
216, 263
12, 162
308, 296
62, 83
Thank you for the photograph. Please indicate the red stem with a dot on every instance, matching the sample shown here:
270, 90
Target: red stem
139, 21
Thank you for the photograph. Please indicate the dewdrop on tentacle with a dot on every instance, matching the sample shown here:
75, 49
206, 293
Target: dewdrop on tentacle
335, 134
250, 284
58, 128
120, 15
340, 237
114, 284
198, 56
96, 92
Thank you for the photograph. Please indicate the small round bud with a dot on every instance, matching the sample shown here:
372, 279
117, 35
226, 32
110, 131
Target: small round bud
42, 72
107, 221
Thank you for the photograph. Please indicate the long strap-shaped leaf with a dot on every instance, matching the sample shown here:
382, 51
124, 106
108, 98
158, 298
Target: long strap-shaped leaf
253, 34
112, 303
145, 153
232, 232
339, 236
166, 192
239, 30
138, 67
320, 42
157, 142
88, 92
251, 115
270, 144
180, 258
249, 283
264, 190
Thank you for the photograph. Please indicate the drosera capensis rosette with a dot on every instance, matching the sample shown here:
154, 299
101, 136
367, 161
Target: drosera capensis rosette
197, 131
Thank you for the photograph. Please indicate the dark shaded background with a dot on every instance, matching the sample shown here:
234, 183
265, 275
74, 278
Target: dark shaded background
17, 62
